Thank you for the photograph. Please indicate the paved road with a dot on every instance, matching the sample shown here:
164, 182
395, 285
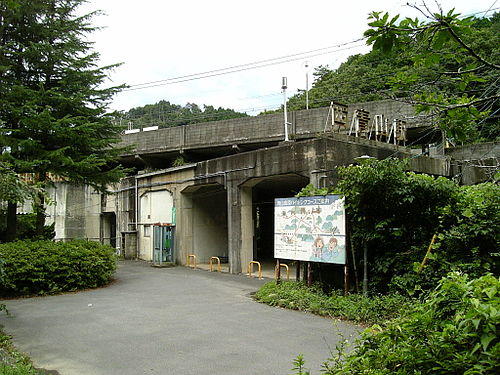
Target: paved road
168, 321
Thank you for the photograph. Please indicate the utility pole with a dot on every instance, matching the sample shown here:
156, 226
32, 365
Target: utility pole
283, 87
306, 65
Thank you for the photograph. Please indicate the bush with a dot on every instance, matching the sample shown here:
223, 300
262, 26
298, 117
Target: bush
26, 228
395, 214
454, 331
352, 307
43, 267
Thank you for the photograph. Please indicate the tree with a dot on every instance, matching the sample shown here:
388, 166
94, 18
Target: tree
12, 188
426, 66
363, 77
454, 70
164, 114
394, 214
53, 109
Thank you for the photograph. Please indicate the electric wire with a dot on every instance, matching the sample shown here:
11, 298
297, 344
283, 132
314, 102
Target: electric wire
247, 66
224, 72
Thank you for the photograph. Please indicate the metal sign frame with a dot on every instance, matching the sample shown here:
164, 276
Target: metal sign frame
311, 229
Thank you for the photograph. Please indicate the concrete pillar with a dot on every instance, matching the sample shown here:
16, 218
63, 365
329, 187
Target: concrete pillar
130, 245
184, 228
234, 227
246, 226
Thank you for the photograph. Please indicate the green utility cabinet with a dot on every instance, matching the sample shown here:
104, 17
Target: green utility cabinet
163, 239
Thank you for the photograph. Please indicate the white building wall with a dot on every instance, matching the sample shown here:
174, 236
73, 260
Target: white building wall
155, 207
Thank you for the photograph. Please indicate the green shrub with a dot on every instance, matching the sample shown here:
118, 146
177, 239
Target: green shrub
13, 362
454, 331
26, 228
17, 370
352, 307
42, 267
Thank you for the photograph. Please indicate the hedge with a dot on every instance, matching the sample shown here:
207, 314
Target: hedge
46, 267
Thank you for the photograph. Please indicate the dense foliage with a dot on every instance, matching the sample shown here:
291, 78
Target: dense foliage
12, 188
395, 213
454, 69
469, 236
454, 331
165, 114
447, 65
354, 307
42, 267
26, 228
361, 78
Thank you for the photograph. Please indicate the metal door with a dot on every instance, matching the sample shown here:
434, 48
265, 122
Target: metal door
163, 238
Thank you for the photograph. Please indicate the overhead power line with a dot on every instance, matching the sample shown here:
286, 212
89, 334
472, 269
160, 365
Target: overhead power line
249, 66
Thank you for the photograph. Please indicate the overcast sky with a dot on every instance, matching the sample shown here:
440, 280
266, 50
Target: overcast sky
162, 39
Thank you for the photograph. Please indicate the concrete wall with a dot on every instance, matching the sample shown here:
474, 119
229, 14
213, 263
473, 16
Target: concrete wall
75, 211
158, 193
257, 130
390, 109
209, 226
125, 216
480, 151
315, 159
214, 198
475, 163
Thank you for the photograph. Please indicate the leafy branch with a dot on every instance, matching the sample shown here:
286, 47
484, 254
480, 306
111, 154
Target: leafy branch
447, 73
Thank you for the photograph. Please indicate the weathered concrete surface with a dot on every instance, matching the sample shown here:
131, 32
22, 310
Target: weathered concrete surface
217, 138
168, 321
471, 164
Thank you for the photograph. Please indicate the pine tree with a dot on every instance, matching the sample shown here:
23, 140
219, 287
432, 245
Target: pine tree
53, 109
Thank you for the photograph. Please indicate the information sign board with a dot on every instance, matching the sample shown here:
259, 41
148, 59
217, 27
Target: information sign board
310, 229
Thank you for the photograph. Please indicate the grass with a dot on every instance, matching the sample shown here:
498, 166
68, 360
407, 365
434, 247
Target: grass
17, 370
13, 362
353, 307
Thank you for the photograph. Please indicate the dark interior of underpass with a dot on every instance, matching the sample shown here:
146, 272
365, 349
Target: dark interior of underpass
263, 195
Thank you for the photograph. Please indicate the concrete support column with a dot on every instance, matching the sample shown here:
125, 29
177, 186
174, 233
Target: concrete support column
234, 227
246, 226
184, 228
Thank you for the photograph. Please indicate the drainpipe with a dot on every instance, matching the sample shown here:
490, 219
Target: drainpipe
136, 219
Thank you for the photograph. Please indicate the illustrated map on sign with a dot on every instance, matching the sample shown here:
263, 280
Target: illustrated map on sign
310, 229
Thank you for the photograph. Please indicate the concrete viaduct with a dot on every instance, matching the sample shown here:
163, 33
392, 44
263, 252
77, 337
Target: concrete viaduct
224, 196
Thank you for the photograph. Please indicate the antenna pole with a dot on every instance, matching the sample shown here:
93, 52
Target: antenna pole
283, 87
307, 87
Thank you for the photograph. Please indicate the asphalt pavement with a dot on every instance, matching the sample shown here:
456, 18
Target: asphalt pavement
169, 321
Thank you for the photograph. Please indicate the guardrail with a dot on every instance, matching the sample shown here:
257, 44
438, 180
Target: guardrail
250, 268
218, 263
277, 270
188, 261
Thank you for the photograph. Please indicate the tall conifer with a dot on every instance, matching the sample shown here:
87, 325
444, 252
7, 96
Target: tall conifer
53, 107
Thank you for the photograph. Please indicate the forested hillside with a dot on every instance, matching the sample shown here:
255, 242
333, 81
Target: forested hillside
447, 63
165, 114
447, 66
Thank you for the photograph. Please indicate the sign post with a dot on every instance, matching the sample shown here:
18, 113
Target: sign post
310, 229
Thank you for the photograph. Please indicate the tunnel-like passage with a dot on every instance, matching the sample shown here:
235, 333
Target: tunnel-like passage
258, 213
207, 222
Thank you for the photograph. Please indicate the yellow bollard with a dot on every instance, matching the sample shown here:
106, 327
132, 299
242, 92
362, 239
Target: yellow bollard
250, 268
191, 264
218, 263
287, 271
